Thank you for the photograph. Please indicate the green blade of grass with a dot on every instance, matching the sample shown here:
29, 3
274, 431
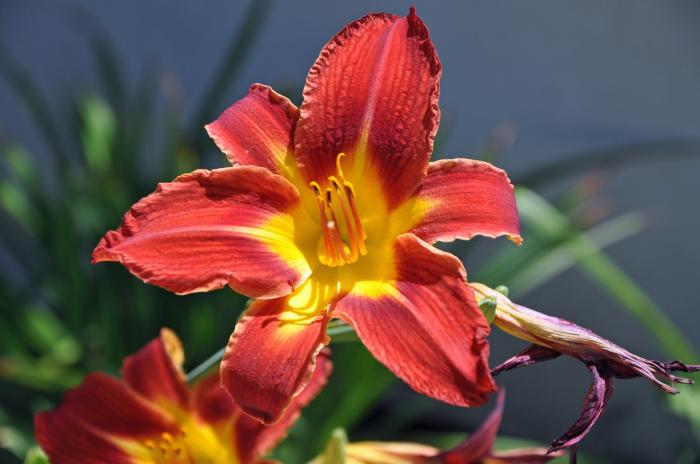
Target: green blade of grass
543, 217
98, 126
566, 254
573, 164
236, 54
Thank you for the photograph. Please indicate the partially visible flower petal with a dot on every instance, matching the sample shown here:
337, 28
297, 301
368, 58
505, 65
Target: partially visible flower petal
593, 406
255, 439
207, 229
461, 198
374, 452
424, 324
139, 421
478, 448
522, 456
211, 403
68, 440
372, 94
104, 416
155, 371
270, 357
257, 130
530, 355
479, 444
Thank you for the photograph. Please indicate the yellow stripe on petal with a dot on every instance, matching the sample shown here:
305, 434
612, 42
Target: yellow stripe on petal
388, 453
289, 239
374, 290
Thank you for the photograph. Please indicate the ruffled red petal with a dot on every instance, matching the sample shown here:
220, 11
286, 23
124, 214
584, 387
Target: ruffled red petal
372, 94
270, 357
252, 439
67, 440
257, 130
425, 326
155, 371
255, 439
461, 198
93, 417
207, 229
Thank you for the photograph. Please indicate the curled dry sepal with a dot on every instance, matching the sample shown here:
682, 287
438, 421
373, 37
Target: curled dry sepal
477, 449
552, 337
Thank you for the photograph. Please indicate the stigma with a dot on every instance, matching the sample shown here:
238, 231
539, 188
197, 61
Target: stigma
342, 238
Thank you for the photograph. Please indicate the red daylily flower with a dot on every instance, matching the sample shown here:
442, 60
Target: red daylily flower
330, 211
477, 449
153, 416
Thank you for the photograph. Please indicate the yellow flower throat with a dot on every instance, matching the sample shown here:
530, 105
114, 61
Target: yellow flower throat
340, 242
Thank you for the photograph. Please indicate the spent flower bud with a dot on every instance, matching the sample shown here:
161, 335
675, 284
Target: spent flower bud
551, 337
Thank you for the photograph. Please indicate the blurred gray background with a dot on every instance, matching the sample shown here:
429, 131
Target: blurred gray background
569, 76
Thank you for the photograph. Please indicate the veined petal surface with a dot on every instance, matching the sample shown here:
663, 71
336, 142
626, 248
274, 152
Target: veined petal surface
373, 95
424, 324
101, 419
207, 229
152, 416
257, 130
255, 439
271, 356
461, 198
155, 371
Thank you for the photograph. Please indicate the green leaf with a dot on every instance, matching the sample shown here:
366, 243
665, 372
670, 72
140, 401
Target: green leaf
97, 133
543, 218
488, 307
546, 220
20, 163
36, 455
335, 450
565, 253
47, 335
17, 205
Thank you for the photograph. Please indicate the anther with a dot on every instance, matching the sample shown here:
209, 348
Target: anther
333, 250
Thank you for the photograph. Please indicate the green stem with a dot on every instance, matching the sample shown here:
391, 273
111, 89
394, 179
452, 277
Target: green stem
198, 371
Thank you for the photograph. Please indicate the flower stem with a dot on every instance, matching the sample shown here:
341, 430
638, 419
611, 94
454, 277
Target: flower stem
197, 372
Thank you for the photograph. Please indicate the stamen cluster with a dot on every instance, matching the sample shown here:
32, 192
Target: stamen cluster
333, 250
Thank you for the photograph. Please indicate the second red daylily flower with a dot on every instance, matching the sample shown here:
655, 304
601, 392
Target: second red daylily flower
153, 416
330, 211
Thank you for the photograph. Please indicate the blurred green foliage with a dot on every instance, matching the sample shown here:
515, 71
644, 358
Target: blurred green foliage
61, 317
